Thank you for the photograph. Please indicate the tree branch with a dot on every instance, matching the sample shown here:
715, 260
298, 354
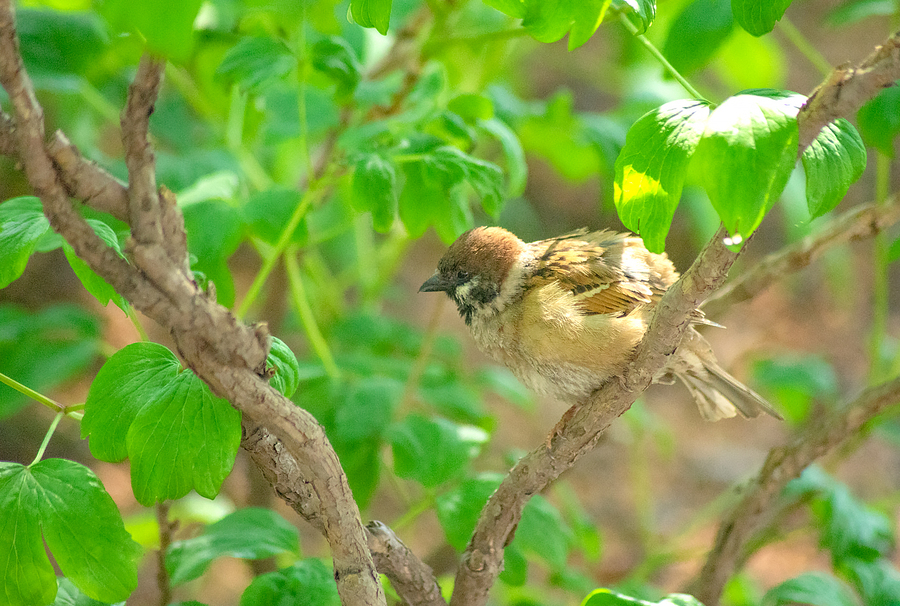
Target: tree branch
848, 88
864, 221
781, 466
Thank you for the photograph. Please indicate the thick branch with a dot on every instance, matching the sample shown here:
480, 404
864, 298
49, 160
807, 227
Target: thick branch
848, 88
412, 579
864, 221
781, 466
229, 356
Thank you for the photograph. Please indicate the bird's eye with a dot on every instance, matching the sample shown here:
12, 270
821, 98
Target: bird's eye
462, 276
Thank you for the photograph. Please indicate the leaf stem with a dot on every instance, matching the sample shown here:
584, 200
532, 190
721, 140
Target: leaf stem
659, 57
812, 54
34, 395
50, 430
136, 321
307, 318
313, 193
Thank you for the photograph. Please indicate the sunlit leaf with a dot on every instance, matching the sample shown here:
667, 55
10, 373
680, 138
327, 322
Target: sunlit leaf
758, 17
832, 162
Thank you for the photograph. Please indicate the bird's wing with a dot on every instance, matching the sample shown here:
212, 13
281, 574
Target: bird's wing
590, 267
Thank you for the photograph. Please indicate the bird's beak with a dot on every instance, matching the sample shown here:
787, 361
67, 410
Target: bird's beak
436, 283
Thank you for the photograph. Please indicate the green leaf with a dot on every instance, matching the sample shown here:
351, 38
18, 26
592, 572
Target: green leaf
813, 588
758, 17
94, 284
471, 107
167, 27
543, 534
852, 530
458, 510
878, 582
746, 156
550, 20
256, 62
516, 165
334, 56
746, 62
22, 225
515, 567
220, 185
879, 120
432, 451
832, 162
81, 525
608, 597
214, 231
43, 349
306, 582
284, 363
372, 13
69, 595
485, 178
59, 43
651, 168
367, 409
267, 213
374, 189
176, 433
697, 33
250, 534
421, 199
795, 382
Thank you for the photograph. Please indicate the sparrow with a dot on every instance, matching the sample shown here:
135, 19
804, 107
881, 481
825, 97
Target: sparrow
566, 314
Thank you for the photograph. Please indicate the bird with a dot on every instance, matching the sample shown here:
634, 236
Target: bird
566, 314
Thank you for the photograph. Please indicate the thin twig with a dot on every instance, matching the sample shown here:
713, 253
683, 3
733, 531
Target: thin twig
165, 539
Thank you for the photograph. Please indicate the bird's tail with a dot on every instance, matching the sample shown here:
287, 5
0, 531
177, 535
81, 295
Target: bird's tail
718, 394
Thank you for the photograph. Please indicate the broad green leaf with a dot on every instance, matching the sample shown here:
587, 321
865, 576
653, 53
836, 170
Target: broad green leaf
367, 409
69, 595
59, 43
879, 120
607, 597
374, 190
268, 212
432, 451
176, 433
746, 156
457, 167
832, 162
422, 197
651, 168
697, 33
513, 8
458, 510
853, 530
515, 567
283, 363
334, 57
516, 166
250, 534
255, 62
167, 27
43, 349
308, 581
550, 20
63, 504
812, 588
220, 185
758, 17
94, 284
22, 225
795, 382
543, 534
372, 13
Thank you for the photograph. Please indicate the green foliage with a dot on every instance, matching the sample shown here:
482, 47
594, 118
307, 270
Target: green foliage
251, 534
308, 581
607, 597
879, 120
61, 503
177, 434
814, 588
832, 162
758, 17
22, 225
283, 363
